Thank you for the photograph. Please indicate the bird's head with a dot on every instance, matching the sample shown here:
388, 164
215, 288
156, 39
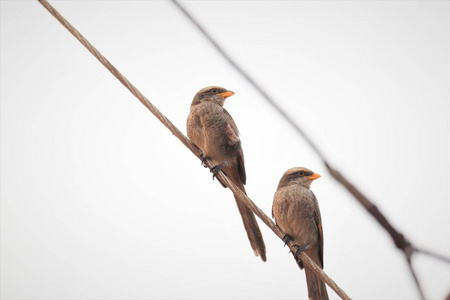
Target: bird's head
298, 175
216, 94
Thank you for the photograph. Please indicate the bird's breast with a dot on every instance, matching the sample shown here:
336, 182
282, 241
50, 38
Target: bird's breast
293, 210
208, 128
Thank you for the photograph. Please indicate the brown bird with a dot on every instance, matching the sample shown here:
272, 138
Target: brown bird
212, 129
296, 212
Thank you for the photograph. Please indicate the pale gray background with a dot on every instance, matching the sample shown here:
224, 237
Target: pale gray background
100, 201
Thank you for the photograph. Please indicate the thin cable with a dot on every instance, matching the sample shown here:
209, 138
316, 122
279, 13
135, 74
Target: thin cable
223, 178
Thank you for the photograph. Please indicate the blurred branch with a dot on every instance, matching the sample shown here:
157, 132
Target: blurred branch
413, 273
434, 255
399, 239
175, 131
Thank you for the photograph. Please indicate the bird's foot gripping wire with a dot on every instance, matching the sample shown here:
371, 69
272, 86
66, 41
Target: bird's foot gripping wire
300, 249
216, 169
203, 158
286, 239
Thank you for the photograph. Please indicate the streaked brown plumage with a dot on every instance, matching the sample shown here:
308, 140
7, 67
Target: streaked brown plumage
296, 212
212, 129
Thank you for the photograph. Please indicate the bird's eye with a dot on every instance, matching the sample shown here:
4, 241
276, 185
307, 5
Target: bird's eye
214, 91
301, 173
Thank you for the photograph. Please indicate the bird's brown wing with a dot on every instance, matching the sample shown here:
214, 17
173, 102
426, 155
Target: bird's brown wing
318, 220
232, 133
233, 125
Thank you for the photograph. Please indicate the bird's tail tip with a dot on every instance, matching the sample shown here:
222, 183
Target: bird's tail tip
261, 255
316, 287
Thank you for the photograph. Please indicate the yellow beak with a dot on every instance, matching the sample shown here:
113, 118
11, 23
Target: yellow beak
314, 176
226, 94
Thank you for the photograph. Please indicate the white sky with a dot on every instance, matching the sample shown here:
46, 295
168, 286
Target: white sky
100, 201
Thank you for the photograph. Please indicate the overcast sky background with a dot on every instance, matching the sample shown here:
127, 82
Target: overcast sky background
100, 201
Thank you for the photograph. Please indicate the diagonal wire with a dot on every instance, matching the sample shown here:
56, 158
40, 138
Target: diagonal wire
175, 131
399, 239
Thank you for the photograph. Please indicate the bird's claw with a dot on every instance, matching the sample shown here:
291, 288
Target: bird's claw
300, 249
203, 159
286, 239
216, 169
